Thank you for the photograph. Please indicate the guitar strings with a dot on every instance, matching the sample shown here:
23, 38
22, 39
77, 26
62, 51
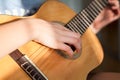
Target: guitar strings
83, 20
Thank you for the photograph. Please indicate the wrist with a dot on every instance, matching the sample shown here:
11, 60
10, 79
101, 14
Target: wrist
31, 28
33, 25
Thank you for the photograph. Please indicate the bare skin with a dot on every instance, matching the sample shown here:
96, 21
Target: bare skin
107, 16
52, 35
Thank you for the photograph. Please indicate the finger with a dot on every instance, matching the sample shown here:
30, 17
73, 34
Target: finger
68, 34
76, 42
114, 4
60, 26
65, 48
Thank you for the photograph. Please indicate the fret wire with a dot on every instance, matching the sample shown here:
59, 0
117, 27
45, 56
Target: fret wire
89, 13
93, 11
83, 19
92, 16
77, 26
84, 12
69, 26
73, 26
81, 32
84, 25
77, 23
100, 6
86, 17
97, 7
81, 23
106, 2
78, 18
103, 3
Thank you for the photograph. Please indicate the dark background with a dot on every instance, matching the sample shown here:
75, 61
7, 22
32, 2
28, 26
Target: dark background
109, 38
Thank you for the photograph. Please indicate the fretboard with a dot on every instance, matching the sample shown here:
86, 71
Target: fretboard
85, 18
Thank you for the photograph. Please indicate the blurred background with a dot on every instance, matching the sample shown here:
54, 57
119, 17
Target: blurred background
109, 38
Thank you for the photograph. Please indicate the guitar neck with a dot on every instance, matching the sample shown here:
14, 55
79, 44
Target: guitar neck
84, 19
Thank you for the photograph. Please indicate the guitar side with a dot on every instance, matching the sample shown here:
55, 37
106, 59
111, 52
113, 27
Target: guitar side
54, 66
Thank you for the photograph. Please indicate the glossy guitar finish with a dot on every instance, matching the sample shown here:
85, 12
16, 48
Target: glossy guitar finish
54, 66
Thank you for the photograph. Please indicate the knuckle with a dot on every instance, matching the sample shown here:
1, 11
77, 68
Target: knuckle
77, 40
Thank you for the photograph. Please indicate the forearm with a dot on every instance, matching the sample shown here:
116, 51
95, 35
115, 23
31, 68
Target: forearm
14, 35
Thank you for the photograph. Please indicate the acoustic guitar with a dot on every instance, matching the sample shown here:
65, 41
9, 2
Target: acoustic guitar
49, 63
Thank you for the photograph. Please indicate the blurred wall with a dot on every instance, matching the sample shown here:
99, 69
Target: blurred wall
76, 5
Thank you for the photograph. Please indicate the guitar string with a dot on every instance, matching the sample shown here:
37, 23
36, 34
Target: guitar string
95, 13
100, 6
86, 17
74, 26
83, 19
31, 56
76, 23
79, 20
103, 2
95, 9
79, 23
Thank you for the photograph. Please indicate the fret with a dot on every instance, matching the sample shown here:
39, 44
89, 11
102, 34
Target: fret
90, 18
81, 24
77, 24
100, 6
84, 18
103, 2
71, 26
80, 21
31, 69
89, 13
94, 9
92, 12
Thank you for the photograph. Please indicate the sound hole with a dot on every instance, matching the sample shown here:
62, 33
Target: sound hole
65, 55
62, 53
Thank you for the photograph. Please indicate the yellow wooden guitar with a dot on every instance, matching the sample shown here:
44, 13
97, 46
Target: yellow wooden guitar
53, 65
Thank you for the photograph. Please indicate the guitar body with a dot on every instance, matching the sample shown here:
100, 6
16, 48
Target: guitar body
54, 66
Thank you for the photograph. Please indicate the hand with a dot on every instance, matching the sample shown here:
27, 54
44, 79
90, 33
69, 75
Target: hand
108, 15
55, 36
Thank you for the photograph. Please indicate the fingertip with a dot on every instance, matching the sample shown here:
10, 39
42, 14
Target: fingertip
70, 53
67, 49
